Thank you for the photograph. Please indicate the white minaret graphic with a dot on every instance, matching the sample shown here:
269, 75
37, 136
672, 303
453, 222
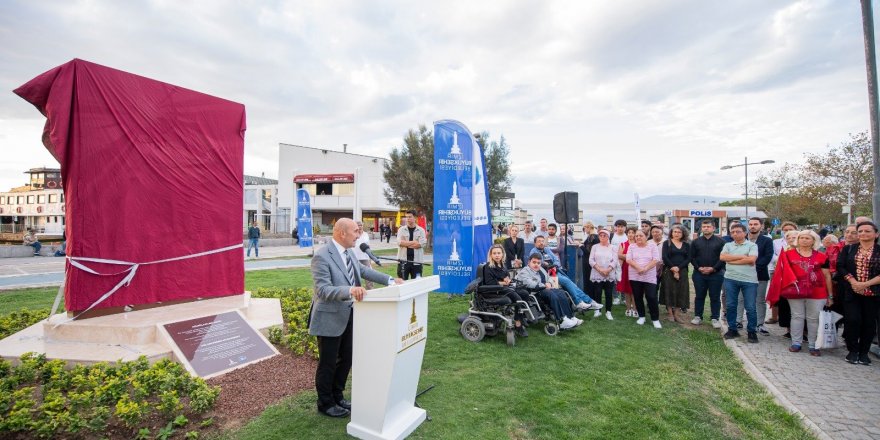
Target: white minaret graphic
304, 198
455, 151
454, 200
453, 256
305, 215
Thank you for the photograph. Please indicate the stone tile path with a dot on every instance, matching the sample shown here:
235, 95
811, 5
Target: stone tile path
808, 386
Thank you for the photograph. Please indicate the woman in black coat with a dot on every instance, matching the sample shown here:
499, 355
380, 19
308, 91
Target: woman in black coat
514, 249
858, 266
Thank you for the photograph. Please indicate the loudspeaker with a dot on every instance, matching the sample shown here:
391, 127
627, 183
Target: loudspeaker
565, 207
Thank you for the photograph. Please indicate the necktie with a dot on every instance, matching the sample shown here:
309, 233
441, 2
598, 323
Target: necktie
350, 268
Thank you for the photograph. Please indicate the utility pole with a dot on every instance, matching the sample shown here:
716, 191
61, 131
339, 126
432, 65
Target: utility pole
871, 66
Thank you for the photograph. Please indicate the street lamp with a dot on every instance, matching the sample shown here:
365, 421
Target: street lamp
746, 165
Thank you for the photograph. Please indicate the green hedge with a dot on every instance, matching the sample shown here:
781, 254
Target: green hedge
20, 320
295, 306
130, 399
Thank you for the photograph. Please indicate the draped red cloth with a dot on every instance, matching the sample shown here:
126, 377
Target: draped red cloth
150, 171
783, 276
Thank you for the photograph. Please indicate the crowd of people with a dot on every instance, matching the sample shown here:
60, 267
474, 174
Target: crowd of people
793, 278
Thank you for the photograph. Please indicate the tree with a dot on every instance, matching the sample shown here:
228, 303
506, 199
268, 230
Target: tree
498, 176
410, 170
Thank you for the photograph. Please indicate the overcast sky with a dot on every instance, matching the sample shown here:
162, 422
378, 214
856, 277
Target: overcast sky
606, 98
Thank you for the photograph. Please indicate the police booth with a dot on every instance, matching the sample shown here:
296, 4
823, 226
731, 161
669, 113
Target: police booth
692, 219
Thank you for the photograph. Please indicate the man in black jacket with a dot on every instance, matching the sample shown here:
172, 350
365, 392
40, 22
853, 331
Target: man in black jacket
708, 272
514, 248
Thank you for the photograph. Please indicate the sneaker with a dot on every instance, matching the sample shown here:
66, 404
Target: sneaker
864, 359
762, 330
595, 306
521, 331
794, 348
716, 323
753, 337
731, 334
640, 321
739, 325
597, 313
608, 316
657, 324
582, 306
567, 323
697, 320
616, 301
577, 321
852, 357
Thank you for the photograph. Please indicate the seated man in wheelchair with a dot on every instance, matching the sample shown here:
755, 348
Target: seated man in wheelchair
550, 263
495, 274
534, 278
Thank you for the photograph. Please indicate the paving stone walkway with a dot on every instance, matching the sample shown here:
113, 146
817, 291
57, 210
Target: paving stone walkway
808, 386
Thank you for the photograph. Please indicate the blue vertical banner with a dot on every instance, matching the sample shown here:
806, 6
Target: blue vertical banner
304, 217
462, 230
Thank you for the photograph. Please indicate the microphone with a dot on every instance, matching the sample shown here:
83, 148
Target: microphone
365, 248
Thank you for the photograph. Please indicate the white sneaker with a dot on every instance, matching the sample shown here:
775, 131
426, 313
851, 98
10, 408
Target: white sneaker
582, 306
716, 323
616, 301
595, 306
697, 320
657, 324
608, 316
640, 321
577, 321
597, 313
567, 323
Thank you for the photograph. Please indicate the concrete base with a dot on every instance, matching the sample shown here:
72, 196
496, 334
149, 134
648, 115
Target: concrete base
127, 336
20, 250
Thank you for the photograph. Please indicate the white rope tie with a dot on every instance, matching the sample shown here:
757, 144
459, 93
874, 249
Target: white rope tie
126, 281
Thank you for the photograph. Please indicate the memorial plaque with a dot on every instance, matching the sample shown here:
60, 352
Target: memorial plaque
214, 344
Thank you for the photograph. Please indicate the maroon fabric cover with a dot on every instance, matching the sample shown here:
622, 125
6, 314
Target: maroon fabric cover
150, 171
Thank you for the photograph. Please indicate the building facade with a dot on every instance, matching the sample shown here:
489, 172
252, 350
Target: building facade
37, 205
341, 184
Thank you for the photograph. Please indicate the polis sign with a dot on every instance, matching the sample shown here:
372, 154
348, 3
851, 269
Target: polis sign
698, 213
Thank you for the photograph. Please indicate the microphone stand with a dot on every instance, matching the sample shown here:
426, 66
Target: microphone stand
403, 261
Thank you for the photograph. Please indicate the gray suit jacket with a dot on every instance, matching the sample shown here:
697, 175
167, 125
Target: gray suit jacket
331, 302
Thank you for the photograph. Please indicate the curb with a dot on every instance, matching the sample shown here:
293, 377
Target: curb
777, 395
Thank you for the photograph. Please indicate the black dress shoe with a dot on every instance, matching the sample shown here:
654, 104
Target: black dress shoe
864, 359
852, 357
345, 404
335, 411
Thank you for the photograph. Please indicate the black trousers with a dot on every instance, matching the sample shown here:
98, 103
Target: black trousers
642, 290
598, 288
861, 321
334, 364
409, 271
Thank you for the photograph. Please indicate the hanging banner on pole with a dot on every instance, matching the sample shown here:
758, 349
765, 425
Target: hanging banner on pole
304, 217
462, 228
638, 209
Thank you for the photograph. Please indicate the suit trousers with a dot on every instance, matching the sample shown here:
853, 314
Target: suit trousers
334, 364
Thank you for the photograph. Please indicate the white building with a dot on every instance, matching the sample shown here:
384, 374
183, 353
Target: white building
341, 184
261, 205
38, 205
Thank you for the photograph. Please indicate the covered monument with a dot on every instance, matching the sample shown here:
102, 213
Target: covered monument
153, 184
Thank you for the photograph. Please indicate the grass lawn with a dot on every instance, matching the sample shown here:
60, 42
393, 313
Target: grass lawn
606, 379
33, 299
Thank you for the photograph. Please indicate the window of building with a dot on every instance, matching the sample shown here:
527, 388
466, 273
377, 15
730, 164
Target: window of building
19, 200
53, 198
343, 189
310, 187
41, 198
267, 195
324, 189
2, 200
62, 197
30, 200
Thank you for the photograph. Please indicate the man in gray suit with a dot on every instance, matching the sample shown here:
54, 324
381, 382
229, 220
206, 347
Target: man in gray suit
337, 273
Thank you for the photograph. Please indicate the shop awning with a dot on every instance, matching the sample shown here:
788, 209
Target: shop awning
323, 178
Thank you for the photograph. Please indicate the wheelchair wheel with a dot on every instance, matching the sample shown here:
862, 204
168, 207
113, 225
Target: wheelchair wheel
472, 329
551, 329
511, 337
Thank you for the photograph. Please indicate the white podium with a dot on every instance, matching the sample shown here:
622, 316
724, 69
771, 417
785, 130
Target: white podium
390, 329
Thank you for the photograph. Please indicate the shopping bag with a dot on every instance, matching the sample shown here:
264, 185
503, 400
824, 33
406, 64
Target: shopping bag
827, 334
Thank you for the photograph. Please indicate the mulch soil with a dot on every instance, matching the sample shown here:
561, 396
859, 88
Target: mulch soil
247, 391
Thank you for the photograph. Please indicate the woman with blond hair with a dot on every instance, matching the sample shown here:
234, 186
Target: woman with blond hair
802, 277
495, 274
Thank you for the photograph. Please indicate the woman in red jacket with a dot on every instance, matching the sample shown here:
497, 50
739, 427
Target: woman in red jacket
802, 277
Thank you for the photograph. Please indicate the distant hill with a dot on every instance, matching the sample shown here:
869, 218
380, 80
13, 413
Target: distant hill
681, 200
